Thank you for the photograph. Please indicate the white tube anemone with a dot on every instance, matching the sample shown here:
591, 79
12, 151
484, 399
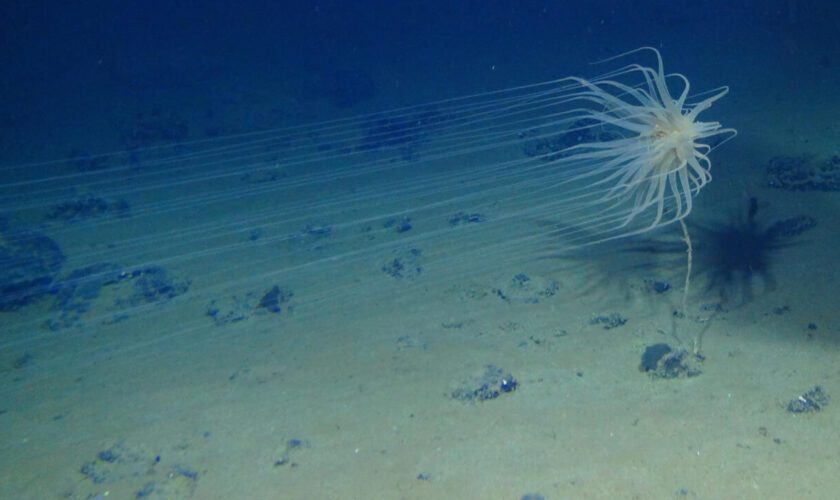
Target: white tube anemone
604, 158
648, 174
459, 189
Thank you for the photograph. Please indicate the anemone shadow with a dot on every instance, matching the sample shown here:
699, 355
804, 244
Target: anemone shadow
733, 258
610, 271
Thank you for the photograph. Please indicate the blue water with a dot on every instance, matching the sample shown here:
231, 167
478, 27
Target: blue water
68, 69
214, 287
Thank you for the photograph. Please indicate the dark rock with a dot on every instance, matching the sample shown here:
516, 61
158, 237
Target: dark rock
316, 232
490, 385
411, 342
408, 264
292, 447
125, 465
400, 226
87, 208
146, 491
109, 456
508, 383
652, 355
295, 443
185, 472
237, 308
809, 402
80, 287
90, 471
780, 310
29, 265
229, 310
465, 218
804, 173
274, 300
314, 236
153, 284
76, 292
480, 393
527, 289
677, 364
614, 320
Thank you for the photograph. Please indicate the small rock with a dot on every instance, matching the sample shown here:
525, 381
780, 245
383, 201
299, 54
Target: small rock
809, 402
614, 320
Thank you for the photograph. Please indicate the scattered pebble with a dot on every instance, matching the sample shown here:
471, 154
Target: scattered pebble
532, 496
408, 264
401, 226
274, 300
490, 385
809, 402
461, 218
87, 208
609, 322
526, 289
670, 363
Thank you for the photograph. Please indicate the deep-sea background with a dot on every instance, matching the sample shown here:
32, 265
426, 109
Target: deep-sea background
106, 76
71, 75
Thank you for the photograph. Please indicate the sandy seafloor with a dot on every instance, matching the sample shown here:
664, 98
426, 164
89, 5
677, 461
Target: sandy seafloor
353, 394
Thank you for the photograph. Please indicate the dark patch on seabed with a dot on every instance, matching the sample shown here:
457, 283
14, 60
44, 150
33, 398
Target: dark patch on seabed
147, 474
804, 173
527, 289
491, 384
406, 264
31, 266
734, 255
661, 361
235, 308
88, 207
811, 401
